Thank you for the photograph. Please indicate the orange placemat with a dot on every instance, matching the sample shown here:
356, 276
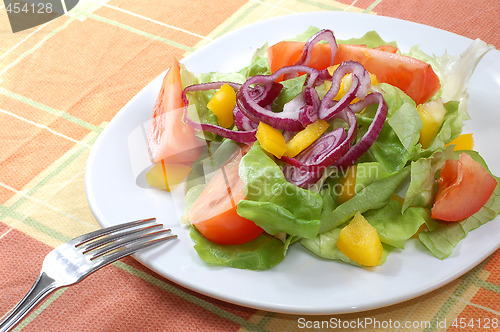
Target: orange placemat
62, 82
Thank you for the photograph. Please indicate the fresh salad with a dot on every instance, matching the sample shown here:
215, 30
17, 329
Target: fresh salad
348, 148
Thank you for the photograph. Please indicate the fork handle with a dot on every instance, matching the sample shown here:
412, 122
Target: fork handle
42, 287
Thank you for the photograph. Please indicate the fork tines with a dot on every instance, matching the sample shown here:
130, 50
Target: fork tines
122, 240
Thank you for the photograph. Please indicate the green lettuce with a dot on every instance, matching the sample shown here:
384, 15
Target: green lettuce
262, 253
325, 246
274, 198
423, 176
274, 219
397, 141
370, 39
373, 196
451, 128
442, 240
393, 227
291, 88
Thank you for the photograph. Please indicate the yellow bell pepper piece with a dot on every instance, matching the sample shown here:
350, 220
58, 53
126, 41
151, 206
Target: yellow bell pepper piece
360, 242
222, 105
348, 185
432, 115
463, 142
271, 139
167, 176
305, 137
346, 84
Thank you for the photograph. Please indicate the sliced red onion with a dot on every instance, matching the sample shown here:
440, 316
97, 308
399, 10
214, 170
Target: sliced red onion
293, 119
327, 149
361, 82
358, 149
308, 167
243, 122
247, 136
301, 177
264, 95
326, 35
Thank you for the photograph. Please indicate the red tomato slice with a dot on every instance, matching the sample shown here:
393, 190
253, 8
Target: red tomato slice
416, 78
213, 213
464, 186
386, 48
169, 137
287, 53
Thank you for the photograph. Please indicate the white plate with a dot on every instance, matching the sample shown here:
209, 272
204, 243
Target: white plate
302, 283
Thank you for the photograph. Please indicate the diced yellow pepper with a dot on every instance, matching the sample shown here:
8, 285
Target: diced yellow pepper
360, 242
348, 185
167, 176
346, 83
271, 139
305, 137
463, 142
222, 105
432, 115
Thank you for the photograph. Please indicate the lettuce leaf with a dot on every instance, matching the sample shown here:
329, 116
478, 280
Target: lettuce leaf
442, 240
451, 128
393, 227
274, 219
325, 246
373, 196
397, 141
423, 175
278, 199
262, 253
291, 88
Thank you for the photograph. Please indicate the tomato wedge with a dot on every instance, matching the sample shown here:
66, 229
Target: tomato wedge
464, 186
213, 213
416, 78
169, 137
287, 53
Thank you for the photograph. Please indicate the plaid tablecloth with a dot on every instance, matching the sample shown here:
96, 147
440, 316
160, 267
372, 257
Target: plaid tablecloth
63, 81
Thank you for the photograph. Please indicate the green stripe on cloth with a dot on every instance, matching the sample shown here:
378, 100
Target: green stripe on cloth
50, 110
468, 280
73, 157
321, 5
372, 6
37, 45
135, 272
238, 19
486, 285
188, 297
39, 310
266, 319
9, 212
140, 32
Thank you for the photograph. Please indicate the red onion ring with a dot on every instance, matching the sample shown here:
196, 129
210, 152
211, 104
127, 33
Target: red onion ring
358, 149
361, 82
247, 136
243, 122
327, 149
326, 35
311, 163
292, 120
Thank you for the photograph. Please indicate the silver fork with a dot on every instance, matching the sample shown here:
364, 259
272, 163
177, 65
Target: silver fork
76, 259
